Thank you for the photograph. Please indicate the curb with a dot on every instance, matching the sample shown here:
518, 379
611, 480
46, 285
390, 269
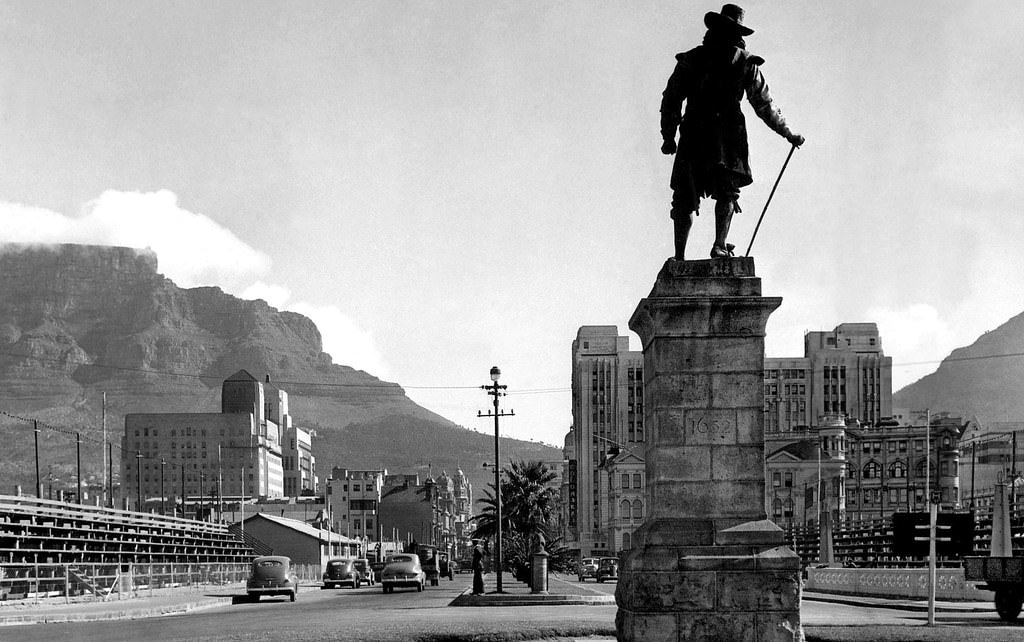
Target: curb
466, 598
119, 614
851, 600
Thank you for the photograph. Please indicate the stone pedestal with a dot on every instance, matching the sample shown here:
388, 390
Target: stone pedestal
707, 564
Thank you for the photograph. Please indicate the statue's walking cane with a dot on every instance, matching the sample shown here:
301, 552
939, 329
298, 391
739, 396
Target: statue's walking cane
768, 202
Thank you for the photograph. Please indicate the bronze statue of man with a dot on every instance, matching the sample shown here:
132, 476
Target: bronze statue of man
712, 157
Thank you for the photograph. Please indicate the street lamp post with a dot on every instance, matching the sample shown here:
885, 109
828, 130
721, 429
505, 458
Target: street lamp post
495, 390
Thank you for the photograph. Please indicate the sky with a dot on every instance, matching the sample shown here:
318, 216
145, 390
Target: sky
447, 186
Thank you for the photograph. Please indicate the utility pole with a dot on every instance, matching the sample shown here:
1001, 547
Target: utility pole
495, 391
78, 456
928, 455
39, 486
163, 495
138, 479
104, 452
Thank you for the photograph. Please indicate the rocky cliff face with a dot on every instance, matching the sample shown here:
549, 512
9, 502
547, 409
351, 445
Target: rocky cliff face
980, 380
77, 321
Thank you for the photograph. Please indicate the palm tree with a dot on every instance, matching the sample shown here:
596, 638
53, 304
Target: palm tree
528, 504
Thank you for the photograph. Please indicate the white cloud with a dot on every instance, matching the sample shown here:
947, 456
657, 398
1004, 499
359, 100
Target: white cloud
192, 250
343, 339
275, 295
916, 337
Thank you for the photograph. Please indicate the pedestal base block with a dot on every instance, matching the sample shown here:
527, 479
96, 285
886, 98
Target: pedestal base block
732, 592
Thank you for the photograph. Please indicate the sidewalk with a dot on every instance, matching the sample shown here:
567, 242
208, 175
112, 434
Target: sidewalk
561, 592
144, 604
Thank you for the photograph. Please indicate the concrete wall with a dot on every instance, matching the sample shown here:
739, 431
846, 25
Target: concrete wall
898, 582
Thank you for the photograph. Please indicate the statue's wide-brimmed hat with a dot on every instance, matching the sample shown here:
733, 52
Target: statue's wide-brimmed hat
730, 19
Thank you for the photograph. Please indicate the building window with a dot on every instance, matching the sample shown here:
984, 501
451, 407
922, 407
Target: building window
638, 510
789, 480
624, 510
777, 508
872, 470
776, 479
787, 508
625, 480
898, 469
892, 446
637, 480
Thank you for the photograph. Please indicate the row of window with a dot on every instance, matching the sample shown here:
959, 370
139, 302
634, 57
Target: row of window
873, 470
787, 373
633, 509
637, 480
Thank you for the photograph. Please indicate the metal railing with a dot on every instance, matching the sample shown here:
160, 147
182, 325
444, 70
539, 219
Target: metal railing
88, 582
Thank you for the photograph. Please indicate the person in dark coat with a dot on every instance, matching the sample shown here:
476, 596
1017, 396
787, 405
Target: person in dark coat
478, 570
712, 156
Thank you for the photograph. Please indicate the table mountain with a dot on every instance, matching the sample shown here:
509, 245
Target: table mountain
79, 320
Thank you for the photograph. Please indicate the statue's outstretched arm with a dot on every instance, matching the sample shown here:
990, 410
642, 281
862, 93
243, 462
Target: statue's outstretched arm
761, 100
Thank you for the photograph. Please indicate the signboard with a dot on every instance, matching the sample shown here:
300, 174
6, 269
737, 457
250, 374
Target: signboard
955, 540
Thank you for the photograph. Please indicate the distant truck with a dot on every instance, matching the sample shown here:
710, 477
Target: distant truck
430, 562
1005, 576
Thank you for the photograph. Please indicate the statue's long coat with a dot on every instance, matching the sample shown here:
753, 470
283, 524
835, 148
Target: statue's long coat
713, 131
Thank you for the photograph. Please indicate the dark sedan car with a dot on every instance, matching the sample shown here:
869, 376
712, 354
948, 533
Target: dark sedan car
340, 571
271, 575
607, 569
366, 574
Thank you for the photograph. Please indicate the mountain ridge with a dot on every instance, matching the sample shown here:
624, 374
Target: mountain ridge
78, 320
976, 380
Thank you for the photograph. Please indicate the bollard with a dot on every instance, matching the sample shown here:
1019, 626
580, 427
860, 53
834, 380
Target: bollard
539, 573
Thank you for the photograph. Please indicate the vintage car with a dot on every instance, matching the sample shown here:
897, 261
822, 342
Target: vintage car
607, 569
403, 570
366, 574
588, 568
341, 571
271, 575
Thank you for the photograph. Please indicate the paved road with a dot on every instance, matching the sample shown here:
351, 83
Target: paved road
362, 614
367, 614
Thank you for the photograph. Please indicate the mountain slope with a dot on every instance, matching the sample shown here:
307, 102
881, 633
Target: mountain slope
79, 321
980, 380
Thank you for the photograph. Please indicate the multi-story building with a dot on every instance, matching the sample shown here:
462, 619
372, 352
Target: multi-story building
353, 499
843, 372
992, 452
895, 467
607, 409
426, 513
806, 474
235, 453
298, 462
622, 488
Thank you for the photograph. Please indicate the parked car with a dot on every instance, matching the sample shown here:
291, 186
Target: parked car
588, 568
607, 569
366, 575
271, 575
403, 570
340, 571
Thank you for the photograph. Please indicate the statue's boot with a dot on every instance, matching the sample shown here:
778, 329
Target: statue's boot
719, 252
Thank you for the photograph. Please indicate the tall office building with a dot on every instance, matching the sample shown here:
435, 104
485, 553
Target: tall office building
608, 419
843, 372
